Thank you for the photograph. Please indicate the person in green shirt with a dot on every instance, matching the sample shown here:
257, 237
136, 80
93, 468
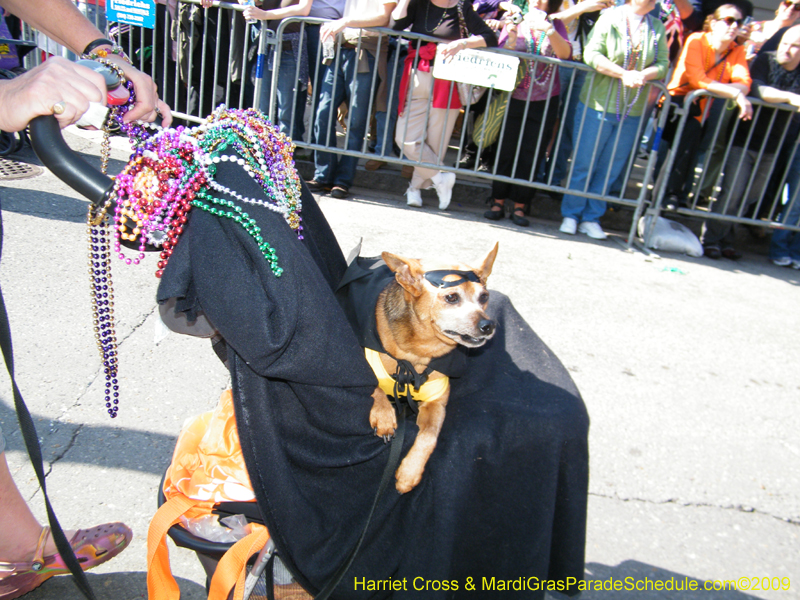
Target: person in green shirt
627, 48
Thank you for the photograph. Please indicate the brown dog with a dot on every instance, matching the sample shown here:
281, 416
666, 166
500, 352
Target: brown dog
425, 313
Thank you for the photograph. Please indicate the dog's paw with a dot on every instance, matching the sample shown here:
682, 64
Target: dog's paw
383, 420
408, 476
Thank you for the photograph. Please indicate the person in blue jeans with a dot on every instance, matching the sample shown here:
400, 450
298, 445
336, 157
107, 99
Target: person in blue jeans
784, 247
290, 92
627, 48
348, 77
387, 99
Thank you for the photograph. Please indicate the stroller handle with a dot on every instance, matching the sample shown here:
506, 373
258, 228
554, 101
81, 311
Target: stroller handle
65, 163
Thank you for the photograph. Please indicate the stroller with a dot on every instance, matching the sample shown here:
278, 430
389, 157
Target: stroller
503, 499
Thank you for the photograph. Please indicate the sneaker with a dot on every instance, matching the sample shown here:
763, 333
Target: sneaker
444, 182
413, 197
593, 230
784, 261
467, 161
569, 225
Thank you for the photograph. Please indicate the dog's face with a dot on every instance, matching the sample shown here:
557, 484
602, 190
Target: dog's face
450, 298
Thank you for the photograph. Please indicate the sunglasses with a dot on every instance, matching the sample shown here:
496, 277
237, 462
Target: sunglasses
731, 20
793, 5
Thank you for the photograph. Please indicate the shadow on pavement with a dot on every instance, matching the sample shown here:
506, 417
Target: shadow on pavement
129, 449
127, 586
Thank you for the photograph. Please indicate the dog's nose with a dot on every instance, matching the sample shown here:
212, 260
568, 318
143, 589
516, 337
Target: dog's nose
485, 326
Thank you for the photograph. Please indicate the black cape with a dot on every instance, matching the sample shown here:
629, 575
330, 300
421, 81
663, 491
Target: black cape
504, 494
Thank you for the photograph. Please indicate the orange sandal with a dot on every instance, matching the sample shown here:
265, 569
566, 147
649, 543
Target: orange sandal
92, 547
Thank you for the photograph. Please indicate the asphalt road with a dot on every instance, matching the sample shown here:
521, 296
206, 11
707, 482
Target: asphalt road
688, 368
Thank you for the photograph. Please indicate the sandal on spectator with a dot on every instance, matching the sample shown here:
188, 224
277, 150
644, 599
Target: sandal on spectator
712, 252
318, 186
374, 165
731, 253
92, 547
340, 191
495, 215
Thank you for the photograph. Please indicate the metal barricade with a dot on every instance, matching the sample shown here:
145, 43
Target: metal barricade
766, 201
358, 147
202, 57
199, 58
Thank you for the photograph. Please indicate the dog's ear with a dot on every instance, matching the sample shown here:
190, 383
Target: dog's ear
486, 268
407, 271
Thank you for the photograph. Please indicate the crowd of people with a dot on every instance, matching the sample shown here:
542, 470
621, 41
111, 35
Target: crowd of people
598, 116
565, 125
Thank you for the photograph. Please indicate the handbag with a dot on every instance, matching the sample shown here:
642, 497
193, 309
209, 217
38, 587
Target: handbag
468, 93
488, 124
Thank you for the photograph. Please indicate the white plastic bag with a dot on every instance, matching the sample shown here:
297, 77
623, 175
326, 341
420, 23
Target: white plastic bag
226, 530
670, 236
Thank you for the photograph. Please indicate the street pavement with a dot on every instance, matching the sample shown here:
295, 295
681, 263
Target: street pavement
688, 368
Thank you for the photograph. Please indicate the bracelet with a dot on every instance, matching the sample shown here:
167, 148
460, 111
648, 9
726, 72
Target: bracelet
103, 53
96, 44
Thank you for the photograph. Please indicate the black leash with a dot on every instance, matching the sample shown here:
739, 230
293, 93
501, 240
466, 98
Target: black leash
35, 451
388, 475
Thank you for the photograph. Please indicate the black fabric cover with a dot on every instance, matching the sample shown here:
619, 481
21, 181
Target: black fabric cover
504, 494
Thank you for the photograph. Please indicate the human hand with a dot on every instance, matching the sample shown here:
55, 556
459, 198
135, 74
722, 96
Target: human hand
512, 30
494, 24
332, 29
55, 84
794, 100
251, 12
743, 33
147, 106
206, 3
453, 48
537, 20
745, 107
633, 79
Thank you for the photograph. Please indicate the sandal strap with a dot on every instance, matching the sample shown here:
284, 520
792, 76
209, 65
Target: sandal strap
38, 557
496, 203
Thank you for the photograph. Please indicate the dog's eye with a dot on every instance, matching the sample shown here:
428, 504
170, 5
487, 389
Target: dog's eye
452, 298
483, 298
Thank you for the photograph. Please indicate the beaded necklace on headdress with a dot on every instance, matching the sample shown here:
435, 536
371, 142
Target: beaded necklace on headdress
170, 172
537, 46
634, 60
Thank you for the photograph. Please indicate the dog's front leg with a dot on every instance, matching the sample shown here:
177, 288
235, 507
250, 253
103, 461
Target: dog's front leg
429, 420
382, 417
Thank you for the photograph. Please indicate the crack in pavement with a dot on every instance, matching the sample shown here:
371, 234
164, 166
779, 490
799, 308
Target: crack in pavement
68, 447
73, 439
737, 507
139, 324
99, 369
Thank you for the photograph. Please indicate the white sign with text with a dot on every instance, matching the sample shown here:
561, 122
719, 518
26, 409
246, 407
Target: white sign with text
478, 68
